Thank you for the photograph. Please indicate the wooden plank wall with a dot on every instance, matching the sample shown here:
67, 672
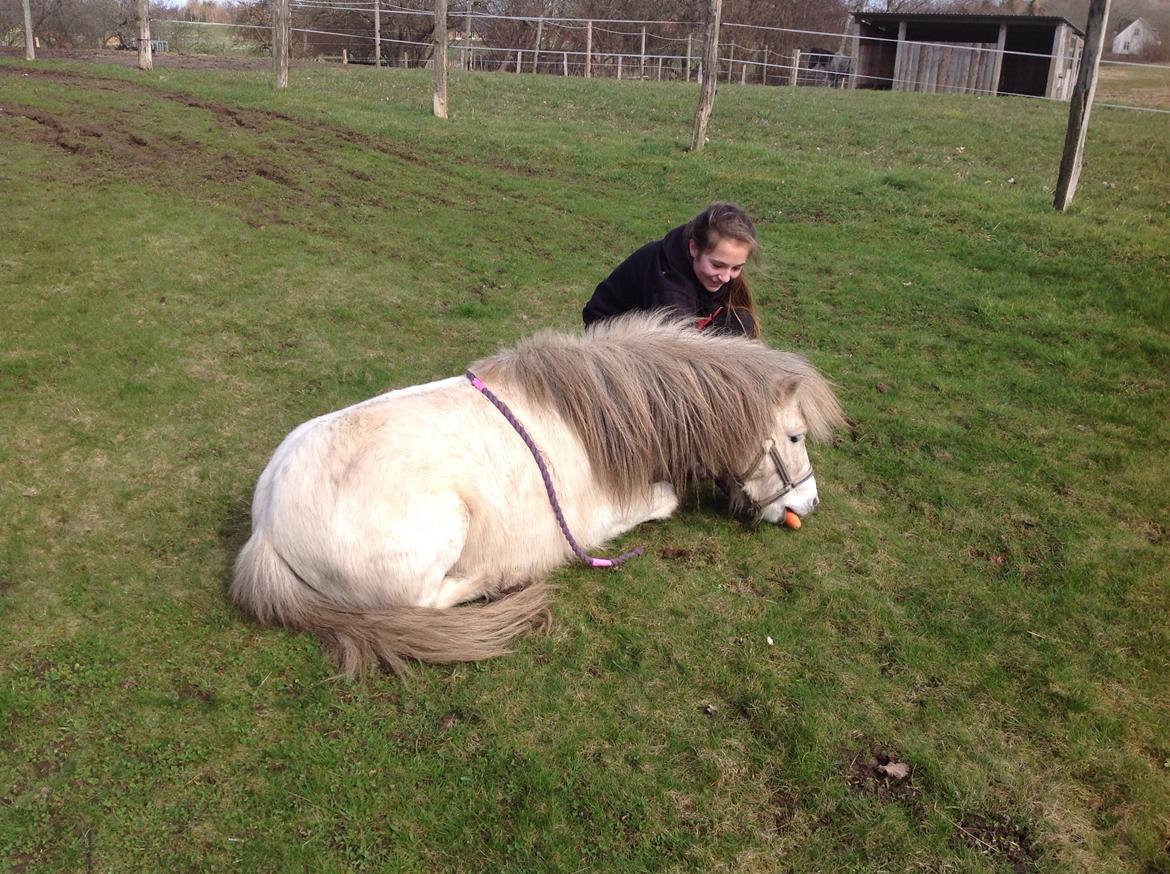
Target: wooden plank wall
949, 68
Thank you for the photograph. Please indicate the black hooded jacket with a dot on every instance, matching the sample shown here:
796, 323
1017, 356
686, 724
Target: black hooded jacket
656, 276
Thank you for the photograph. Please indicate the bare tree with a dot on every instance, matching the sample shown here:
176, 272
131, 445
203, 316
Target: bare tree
73, 23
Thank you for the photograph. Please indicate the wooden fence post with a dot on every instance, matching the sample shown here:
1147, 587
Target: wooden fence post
467, 40
688, 76
281, 21
588, 49
536, 50
642, 69
855, 67
377, 33
518, 54
565, 63
764, 75
711, 76
999, 59
439, 103
465, 50
731, 61
1081, 105
30, 50
145, 55
619, 68
795, 67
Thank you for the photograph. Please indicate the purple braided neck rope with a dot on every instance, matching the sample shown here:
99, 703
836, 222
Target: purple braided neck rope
552, 495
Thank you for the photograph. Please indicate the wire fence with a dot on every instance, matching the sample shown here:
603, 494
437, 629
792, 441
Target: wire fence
647, 50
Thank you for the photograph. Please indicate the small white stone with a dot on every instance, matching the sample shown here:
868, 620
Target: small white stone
770, 641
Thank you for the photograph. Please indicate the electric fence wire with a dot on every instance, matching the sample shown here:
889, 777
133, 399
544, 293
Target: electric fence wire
351, 5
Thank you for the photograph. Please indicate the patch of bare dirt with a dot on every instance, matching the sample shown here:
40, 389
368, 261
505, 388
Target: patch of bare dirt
880, 772
1001, 840
76, 137
781, 809
231, 116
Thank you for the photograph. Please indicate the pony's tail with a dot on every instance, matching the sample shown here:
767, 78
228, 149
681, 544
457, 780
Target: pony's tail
267, 588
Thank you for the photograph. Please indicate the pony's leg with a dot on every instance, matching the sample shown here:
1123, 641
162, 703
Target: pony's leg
662, 502
455, 590
659, 501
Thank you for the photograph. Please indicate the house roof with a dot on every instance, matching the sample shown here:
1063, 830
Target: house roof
961, 18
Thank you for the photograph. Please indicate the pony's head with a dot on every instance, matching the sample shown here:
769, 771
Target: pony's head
780, 476
652, 399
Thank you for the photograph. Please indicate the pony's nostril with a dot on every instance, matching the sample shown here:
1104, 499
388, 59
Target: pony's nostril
816, 501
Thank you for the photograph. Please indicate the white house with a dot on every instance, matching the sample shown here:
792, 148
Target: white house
1134, 38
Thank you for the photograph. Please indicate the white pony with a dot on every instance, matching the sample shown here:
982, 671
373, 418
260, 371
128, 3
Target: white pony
370, 524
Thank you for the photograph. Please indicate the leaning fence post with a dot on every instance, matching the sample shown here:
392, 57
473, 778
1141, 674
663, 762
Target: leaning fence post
1080, 105
711, 67
281, 19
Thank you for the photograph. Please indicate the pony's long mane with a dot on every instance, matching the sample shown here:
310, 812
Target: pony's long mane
651, 398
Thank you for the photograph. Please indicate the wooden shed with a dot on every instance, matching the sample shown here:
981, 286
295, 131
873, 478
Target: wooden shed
981, 54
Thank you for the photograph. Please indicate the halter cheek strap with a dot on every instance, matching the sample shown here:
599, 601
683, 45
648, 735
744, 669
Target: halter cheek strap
548, 484
787, 483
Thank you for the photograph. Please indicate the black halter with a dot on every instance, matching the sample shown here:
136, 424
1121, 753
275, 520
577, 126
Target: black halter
787, 483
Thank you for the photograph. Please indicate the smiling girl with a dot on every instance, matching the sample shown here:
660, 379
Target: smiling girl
695, 270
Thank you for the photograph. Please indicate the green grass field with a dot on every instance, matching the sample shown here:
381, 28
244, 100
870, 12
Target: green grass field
191, 264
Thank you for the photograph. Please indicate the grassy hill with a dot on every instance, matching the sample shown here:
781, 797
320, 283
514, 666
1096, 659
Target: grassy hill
192, 264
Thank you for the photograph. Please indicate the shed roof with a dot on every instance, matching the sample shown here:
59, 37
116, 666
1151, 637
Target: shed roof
962, 18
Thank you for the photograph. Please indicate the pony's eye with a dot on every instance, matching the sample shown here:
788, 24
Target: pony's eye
795, 438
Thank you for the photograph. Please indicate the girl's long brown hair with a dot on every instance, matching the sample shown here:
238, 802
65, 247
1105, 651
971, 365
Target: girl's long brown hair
726, 221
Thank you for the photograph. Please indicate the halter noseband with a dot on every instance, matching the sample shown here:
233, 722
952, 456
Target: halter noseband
787, 483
